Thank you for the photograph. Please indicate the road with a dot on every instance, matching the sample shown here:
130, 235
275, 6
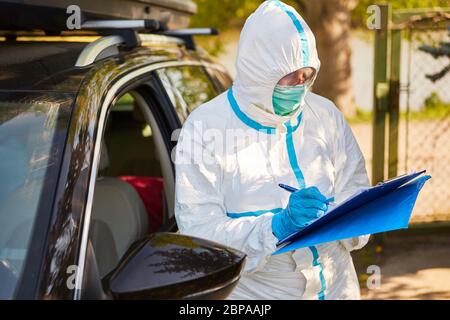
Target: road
414, 267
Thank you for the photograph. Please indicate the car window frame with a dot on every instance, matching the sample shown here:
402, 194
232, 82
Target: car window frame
213, 73
140, 90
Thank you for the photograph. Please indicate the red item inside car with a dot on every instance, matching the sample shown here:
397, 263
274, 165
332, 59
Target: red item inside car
150, 190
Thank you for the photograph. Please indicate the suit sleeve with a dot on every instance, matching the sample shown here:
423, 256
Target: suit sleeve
350, 172
199, 203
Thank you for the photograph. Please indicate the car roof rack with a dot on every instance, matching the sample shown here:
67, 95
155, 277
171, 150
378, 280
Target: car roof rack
129, 38
187, 35
100, 48
129, 29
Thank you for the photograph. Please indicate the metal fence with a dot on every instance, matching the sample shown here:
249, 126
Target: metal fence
411, 129
424, 122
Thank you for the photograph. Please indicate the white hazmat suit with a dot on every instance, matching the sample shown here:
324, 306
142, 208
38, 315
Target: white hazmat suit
234, 151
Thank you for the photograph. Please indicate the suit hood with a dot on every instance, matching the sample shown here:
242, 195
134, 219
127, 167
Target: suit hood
274, 42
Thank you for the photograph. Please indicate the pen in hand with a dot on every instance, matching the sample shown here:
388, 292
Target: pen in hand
329, 201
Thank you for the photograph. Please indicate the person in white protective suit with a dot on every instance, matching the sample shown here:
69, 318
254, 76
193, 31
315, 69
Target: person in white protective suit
227, 190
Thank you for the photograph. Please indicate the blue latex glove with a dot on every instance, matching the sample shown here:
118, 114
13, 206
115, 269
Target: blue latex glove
304, 206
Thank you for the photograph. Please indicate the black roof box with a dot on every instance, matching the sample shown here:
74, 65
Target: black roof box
51, 15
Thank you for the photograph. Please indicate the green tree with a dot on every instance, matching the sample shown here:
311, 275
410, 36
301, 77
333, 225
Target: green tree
223, 14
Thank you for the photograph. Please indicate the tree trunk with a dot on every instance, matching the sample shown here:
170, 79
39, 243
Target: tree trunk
330, 22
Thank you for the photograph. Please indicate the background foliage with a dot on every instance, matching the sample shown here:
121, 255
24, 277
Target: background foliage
226, 14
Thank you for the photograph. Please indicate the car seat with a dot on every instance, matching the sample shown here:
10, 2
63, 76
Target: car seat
119, 218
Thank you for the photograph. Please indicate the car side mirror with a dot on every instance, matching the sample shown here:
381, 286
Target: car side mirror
174, 266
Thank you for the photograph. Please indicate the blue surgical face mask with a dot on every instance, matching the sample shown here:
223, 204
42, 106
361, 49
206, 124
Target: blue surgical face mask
287, 99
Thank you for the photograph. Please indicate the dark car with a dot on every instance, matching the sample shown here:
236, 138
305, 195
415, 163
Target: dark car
87, 128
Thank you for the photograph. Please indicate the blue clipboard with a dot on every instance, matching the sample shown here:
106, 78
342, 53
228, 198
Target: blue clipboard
384, 207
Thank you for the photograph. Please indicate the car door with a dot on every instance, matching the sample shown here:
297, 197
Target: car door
134, 182
133, 157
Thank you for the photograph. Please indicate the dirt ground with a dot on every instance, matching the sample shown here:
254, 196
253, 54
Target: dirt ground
412, 267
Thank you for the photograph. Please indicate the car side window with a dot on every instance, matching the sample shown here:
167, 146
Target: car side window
222, 79
187, 87
129, 199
